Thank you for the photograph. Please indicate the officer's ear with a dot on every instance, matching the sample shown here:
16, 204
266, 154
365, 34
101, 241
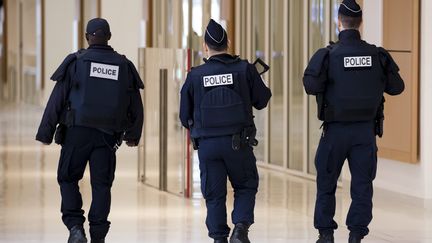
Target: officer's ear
109, 37
205, 47
340, 26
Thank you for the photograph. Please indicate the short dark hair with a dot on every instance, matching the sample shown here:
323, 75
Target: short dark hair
223, 47
349, 22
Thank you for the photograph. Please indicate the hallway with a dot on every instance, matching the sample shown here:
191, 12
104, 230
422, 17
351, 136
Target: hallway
30, 200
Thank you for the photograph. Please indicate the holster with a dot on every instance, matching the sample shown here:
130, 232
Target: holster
119, 140
321, 106
379, 120
69, 118
195, 144
379, 127
60, 134
246, 137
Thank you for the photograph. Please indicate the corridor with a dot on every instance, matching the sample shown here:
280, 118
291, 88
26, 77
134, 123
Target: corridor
30, 200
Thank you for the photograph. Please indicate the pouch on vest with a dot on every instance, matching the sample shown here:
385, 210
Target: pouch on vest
222, 107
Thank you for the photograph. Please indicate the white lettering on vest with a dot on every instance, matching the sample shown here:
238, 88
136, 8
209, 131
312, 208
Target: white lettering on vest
106, 71
357, 62
218, 80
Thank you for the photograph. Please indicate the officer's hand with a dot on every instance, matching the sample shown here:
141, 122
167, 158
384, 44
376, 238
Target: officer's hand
131, 143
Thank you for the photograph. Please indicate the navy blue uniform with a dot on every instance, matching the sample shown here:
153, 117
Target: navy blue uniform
84, 143
350, 77
216, 103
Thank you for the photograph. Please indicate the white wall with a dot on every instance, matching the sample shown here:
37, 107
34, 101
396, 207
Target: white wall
426, 95
410, 179
124, 18
372, 23
59, 16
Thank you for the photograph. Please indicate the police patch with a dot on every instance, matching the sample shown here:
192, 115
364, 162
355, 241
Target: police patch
218, 80
106, 71
358, 62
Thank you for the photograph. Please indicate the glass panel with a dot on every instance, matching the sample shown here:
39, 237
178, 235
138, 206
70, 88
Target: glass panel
3, 80
216, 10
176, 134
277, 111
197, 17
156, 143
90, 11
185, 12
334, 36
317, 38
169, 25
296, 91
29, 87
258, 47
12, 51
151, 119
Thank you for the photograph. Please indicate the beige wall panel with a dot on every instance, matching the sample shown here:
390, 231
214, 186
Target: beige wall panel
124, 18
398, 24
58, 37
401, 34
397, 135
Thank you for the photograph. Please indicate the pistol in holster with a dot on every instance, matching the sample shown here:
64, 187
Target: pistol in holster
66, 120
246, 137
379, 120
60, 134
195, 144
194, 141
321, 106
119, 140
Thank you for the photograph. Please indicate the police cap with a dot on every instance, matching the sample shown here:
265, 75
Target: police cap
98, 24
215, 34
350, 8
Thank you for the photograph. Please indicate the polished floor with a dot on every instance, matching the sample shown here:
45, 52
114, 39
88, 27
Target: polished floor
29, 200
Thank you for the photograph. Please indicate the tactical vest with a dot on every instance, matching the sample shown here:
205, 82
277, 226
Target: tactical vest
222, 98
356, 83
99, 96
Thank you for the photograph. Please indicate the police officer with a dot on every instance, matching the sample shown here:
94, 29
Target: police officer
97, 103
216, 105
349, 79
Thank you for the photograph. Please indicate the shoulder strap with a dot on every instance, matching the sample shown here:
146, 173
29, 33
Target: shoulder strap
80, 53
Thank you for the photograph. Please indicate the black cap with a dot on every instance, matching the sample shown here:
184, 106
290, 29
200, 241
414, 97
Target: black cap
215, 34
98, 24
350, 8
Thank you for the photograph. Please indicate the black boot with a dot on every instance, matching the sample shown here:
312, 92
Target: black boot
98, 241
77, 235
240, 234
325, 239
354, 239
222, 240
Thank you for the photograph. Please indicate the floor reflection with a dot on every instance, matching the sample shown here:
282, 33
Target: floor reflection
30, 201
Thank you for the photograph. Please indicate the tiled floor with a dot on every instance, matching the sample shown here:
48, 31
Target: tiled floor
29, 200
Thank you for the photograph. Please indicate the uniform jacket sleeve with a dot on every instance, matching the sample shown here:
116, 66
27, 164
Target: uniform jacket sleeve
315, 76
260, 93
135, 110
394, 82
57, 101
186, 102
